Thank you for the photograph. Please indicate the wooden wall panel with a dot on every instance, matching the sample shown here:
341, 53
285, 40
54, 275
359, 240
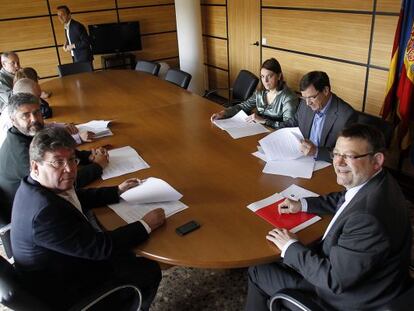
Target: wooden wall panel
383, 40
392, 6
215, 52
43, 60
158, 46
214, 21
347, 81
20, 35
222, 2
82, 5
163, 15
86, 19
218, 79
322, 33
22, 8
172, 62
364, 5
377, 83
131, 3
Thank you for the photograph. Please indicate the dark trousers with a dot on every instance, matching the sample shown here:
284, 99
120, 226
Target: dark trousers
266, 280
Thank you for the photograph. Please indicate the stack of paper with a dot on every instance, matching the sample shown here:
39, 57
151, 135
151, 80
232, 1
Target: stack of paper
280, 150
123, 161
98, 127
151, 194
268, 209
238, 127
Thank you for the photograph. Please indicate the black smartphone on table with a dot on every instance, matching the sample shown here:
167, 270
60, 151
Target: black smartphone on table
187, 227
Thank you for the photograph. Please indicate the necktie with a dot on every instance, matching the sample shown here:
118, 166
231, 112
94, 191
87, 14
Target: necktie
341, 200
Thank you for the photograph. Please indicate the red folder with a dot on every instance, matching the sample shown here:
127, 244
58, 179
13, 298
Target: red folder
292, 222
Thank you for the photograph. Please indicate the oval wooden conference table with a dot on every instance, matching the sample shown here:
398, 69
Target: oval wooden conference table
217, 175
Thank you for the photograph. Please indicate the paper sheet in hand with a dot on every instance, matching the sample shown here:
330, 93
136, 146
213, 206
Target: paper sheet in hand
302, 167
268, 210
238, 120
131, 212
295, 192
282, 144
249, 130
123, 161
152, 190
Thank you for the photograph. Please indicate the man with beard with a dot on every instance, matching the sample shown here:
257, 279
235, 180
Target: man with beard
24, 110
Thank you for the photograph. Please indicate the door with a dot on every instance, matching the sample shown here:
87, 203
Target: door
243, 17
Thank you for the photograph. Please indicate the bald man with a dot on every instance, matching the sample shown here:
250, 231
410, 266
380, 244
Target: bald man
10, 63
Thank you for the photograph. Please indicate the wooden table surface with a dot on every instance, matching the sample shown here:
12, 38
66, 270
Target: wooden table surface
170, 128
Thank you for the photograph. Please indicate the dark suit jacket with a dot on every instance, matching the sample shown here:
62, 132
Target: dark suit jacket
338, 116
363, 261
54, 245
79, 37
15, 164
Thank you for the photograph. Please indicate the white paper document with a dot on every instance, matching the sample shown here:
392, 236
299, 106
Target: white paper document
131, 212
123, 161
320, 165
283, 144
152, 190
238, 127
302, 167
99, 127
295, 192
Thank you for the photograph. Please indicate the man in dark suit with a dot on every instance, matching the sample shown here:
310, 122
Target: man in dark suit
57, 252
24, 110
321, 115
363, 258
77, 38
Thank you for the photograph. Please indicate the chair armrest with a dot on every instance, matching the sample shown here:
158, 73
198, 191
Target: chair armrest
208, 93
295, 298
101, 293
4, 229
5, 240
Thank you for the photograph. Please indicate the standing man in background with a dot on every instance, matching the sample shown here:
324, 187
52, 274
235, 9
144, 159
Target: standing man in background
77, 39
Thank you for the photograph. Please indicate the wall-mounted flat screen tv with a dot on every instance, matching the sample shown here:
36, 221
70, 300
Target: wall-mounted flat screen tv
115, 37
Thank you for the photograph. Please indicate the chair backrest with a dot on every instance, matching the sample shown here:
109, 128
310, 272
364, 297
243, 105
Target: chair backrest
148, 67
385, 127
70, 69
178, 77
12, 292
244, 85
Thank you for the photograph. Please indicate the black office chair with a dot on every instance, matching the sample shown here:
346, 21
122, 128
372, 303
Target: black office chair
148, 67
72, 68
243, 87
178, 77
294, 300
14, 295
385, 127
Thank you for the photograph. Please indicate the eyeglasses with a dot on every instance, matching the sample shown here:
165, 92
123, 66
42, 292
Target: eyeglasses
309, 97
62, 163
349, 156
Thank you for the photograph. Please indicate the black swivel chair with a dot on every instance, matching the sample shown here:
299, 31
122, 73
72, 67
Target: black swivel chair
243, 87
178, 77
385, 127
148, 67
14, 295
72, 68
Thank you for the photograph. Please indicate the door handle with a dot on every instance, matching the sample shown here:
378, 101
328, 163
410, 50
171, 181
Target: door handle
256, 43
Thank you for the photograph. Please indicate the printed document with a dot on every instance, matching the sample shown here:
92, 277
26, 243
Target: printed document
302, 167
283, 144
99, 127
123, 161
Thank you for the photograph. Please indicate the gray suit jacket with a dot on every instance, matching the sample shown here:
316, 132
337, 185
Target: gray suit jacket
6, 86
363, 261
338, 116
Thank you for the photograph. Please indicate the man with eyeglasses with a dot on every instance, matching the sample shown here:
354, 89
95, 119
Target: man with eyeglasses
27, 120
10, 64
362, 261
59, 255
321, 115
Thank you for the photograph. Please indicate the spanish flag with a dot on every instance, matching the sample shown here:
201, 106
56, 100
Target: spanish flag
399, 93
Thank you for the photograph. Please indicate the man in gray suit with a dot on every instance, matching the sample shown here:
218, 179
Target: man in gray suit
362, 260
10, 64
321, 115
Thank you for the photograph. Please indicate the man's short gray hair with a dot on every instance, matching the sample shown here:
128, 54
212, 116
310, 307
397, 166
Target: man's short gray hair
25, 85
6, 55
20, 99
50, 140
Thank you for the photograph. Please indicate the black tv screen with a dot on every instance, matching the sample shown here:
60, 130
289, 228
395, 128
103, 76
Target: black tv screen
115, 37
